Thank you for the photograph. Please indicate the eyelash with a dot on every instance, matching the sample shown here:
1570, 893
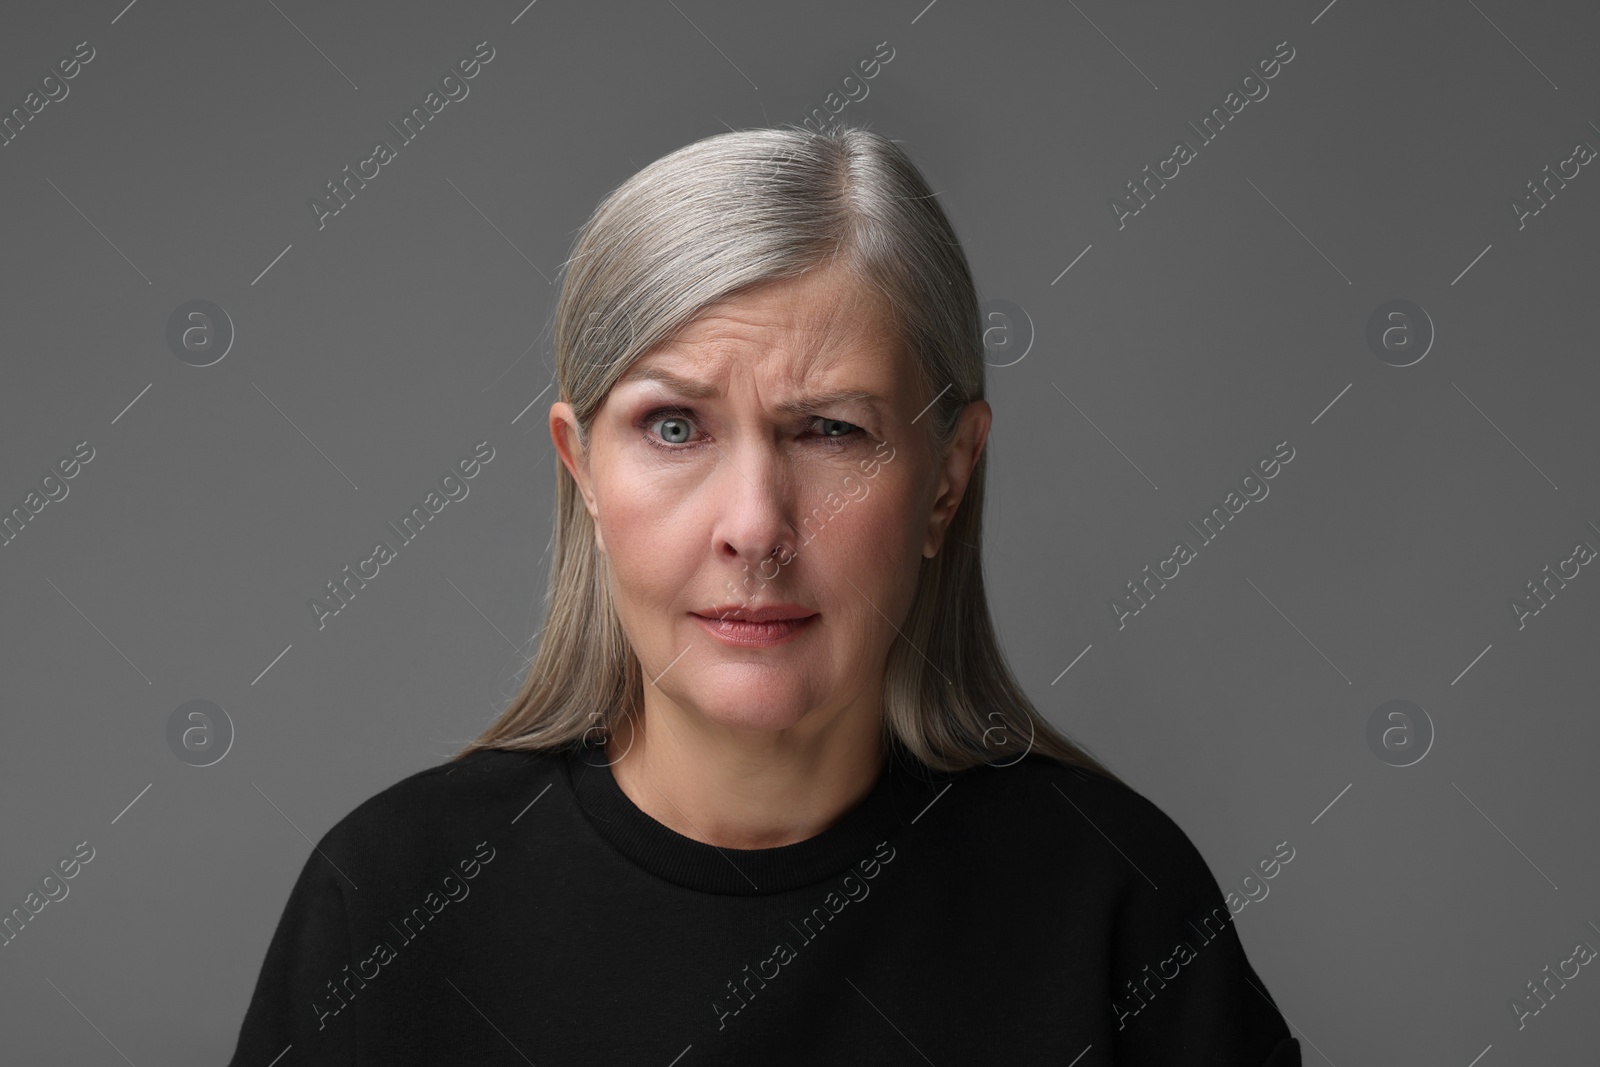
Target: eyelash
649, 419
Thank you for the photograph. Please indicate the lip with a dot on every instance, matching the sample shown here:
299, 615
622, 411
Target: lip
748, 634
770, 613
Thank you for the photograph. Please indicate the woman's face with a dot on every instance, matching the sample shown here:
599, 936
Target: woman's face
717, 447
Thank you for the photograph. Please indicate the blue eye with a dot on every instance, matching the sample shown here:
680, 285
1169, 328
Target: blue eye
676, 436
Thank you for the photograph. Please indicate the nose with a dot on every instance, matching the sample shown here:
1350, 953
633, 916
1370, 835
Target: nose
754, 500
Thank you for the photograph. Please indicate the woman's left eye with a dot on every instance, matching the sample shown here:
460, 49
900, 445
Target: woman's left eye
833, 431
849, 427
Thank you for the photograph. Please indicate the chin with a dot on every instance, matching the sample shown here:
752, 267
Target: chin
753, 712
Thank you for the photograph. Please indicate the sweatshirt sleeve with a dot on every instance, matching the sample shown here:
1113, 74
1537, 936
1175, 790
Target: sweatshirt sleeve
1182, 988
294, 1012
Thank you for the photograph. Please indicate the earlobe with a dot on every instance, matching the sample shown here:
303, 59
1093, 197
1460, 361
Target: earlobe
938, 526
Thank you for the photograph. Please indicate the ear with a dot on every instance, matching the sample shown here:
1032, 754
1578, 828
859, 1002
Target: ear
564, 435
956, 471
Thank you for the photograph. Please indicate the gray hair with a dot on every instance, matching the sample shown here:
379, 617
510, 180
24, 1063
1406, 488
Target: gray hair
703, 222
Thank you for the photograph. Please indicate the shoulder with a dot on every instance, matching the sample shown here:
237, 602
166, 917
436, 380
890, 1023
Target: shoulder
440, 810
1072, 795
1094, 823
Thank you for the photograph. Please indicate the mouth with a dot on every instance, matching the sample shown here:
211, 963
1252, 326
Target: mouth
758, 627
770, 613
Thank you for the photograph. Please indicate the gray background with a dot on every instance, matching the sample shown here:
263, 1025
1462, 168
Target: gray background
1227, 316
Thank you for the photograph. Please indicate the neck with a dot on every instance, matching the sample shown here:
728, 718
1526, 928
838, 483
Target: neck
745, 789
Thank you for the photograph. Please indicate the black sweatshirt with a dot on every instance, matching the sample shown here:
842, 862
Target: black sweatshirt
517, 908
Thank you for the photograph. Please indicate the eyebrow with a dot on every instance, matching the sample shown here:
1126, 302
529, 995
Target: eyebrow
804, 405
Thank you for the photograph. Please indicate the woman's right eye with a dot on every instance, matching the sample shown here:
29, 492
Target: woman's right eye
676, 428
668, 427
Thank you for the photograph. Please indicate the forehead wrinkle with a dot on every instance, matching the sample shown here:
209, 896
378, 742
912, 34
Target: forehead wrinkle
804, 404
806, 400
823, 339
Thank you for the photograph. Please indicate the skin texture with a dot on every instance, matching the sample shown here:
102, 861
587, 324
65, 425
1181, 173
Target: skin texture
759, 747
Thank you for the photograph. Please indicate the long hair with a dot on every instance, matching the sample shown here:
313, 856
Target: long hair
712, 218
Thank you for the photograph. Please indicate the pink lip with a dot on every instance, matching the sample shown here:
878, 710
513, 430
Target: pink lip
754, 634
769, 613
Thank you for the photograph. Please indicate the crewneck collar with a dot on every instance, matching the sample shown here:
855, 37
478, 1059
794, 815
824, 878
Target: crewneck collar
904, 788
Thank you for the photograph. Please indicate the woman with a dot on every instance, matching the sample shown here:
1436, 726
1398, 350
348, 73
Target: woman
769, 794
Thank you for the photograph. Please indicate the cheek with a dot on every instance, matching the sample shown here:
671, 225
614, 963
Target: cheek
875, 542
872, 533
850, 514
647, 585
650, 531
897, 510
